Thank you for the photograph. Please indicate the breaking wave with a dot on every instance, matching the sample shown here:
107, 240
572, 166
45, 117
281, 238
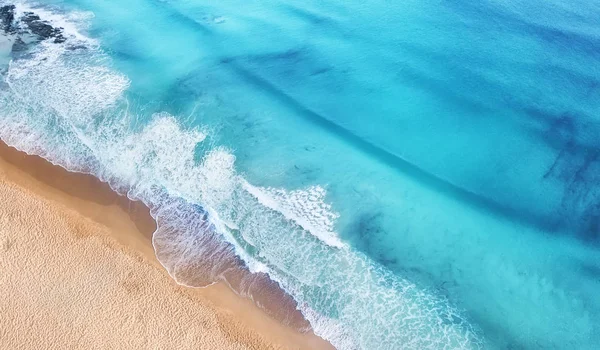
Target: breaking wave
64, 102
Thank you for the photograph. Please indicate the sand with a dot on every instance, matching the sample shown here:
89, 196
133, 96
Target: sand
77, 271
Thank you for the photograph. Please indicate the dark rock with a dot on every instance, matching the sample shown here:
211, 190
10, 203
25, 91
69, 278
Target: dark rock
42, 29
37, 27
7, 17
59, 38
30, 16
76, 47
19, 46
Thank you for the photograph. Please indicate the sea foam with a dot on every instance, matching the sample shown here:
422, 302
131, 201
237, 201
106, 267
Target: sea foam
305, 207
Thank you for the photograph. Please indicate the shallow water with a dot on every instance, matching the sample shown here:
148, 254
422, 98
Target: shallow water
416, 175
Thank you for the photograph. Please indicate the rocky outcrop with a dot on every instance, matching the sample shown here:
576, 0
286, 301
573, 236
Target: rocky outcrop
26, 29
41, 28
28, 24
7, 18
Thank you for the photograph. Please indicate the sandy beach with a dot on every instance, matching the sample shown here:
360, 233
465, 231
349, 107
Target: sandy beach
77, 270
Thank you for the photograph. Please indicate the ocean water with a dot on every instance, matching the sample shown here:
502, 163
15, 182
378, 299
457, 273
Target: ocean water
416, 175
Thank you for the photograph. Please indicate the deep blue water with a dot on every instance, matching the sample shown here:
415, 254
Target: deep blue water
419, 174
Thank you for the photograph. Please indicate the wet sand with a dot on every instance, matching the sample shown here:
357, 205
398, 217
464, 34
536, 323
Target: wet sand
77, 270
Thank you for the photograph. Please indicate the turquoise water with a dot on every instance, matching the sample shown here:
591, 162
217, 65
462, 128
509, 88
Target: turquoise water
415, 175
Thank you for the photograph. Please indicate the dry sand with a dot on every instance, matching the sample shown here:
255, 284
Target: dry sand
77, 271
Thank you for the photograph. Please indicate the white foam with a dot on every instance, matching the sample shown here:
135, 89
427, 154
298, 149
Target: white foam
305, 207
73, 90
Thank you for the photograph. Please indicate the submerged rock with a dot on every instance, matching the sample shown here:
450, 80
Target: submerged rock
19, 45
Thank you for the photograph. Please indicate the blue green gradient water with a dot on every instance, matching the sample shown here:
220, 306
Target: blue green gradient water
457, 142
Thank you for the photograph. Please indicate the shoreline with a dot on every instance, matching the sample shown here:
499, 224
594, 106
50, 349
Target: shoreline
129, 225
